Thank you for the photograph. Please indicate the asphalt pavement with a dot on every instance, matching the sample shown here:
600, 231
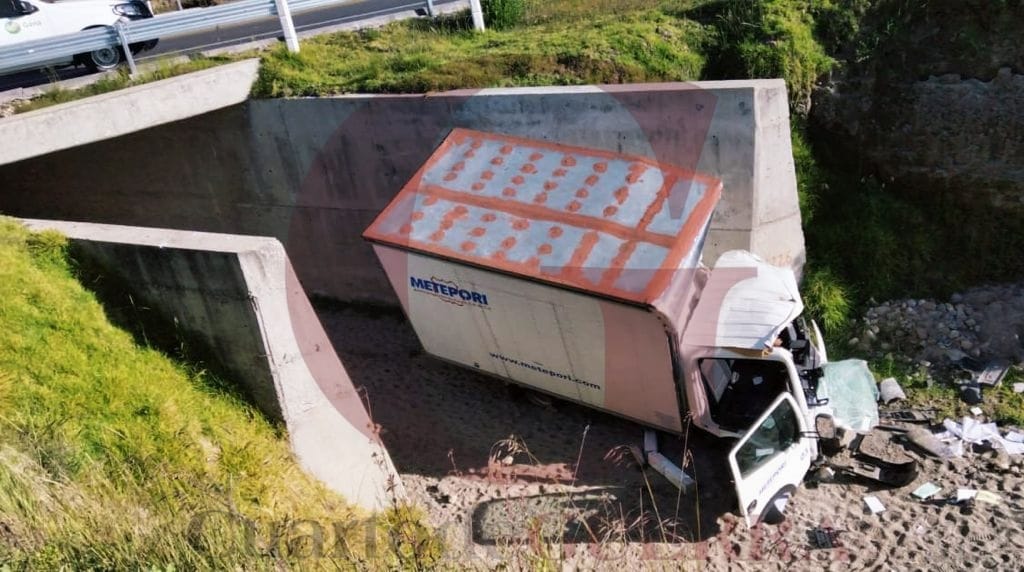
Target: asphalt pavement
309, 23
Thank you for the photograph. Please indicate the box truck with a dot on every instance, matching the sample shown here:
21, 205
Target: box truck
577, 272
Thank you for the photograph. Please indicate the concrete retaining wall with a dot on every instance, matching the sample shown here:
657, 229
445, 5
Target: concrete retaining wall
240, 296
125, 111
314, 172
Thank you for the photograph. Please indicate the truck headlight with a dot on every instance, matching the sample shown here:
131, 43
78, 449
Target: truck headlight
129, 9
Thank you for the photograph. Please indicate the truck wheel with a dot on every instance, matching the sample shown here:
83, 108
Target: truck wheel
103, 59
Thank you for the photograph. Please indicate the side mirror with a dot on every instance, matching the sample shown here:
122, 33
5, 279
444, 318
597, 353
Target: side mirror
825, 427
830, 437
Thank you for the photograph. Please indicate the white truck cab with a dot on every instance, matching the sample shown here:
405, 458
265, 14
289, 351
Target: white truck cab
26, 20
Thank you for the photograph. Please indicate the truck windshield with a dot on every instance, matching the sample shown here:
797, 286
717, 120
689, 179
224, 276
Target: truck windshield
739, 390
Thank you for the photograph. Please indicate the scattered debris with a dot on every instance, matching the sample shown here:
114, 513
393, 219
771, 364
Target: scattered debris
975, 432
985, 373
988, 497
976, 411
910, 415
825, 537
930, 444
873, 504
881, 471
970, 393
926, 490
889, 390
1018, 388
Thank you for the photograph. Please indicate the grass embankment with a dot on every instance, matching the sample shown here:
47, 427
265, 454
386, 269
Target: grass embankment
421, 56
111, 453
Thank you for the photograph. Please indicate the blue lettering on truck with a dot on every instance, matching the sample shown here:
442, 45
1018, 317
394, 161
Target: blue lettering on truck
448, 291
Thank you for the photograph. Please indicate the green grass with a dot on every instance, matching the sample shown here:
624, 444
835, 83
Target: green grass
121, 80
1000, 404
766, 39
109, 450
416, 57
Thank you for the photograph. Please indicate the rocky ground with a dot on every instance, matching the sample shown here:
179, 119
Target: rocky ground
985, 323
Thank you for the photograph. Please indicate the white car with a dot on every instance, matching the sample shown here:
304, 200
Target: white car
25, 20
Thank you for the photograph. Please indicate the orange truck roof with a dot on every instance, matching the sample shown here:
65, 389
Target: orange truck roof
610, 224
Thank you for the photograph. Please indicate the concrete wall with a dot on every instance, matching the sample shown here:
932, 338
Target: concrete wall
314, 172
240, 296
125, 111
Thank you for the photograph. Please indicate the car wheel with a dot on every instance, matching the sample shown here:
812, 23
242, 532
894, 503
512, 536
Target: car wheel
103, 59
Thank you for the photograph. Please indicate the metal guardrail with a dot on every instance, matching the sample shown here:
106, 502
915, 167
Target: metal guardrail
39, 53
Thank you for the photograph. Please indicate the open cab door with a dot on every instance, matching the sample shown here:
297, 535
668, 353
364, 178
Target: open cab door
770, 460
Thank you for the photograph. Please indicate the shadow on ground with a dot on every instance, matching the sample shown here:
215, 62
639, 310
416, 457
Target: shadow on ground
438, 420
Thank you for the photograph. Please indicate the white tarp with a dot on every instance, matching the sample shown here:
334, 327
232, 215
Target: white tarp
745, 304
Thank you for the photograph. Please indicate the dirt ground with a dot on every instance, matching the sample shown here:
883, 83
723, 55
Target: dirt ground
496, 471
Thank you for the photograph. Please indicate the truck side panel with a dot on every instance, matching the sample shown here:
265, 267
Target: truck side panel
595, 352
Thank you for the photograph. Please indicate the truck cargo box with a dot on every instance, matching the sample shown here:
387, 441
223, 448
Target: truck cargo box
569, 270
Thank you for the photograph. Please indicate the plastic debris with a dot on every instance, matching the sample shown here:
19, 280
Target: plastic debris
976, 411
925, 441
910, 415
985, 373
873, 504
824, 537
926, 490
889, 390
970, 393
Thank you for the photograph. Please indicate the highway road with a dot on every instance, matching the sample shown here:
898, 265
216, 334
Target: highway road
306, 23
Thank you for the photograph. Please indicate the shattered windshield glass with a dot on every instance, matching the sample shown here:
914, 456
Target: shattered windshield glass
852, 393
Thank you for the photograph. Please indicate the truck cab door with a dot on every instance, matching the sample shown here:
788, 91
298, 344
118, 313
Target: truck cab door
770, 460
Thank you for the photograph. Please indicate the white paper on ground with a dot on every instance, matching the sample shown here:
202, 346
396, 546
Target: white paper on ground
964, 494
1011, 447
987, 496
874, 505
1018, 388
976, 411
974, 431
